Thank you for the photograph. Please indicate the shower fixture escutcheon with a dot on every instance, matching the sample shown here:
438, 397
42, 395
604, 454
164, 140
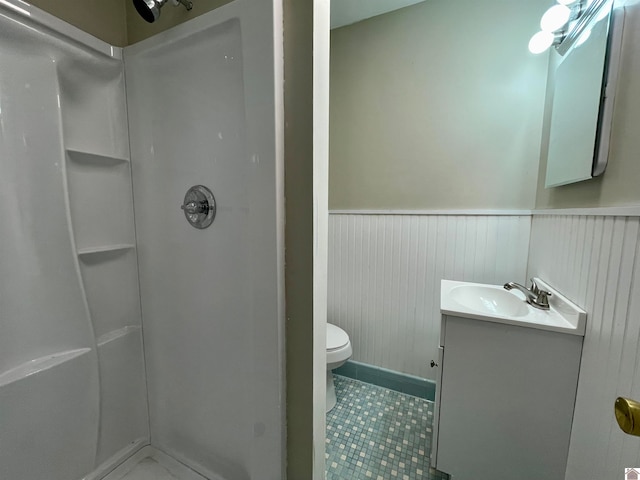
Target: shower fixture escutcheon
199, 206
149, 10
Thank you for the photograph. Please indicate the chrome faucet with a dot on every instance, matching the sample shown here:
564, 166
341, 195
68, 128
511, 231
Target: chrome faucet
535, 297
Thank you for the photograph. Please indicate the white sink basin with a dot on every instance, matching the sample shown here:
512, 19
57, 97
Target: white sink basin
492, 303
489, 300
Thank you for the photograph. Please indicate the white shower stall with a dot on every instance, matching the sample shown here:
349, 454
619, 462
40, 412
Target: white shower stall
123, 329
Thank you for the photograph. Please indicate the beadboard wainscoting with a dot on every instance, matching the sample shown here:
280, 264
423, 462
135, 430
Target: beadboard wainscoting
595, 261
385, 272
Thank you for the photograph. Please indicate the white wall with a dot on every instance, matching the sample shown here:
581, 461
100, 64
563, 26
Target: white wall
385, 272
595, 261
201, 108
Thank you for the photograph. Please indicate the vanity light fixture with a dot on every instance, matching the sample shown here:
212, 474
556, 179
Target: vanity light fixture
555, 18
541, 41
567, 22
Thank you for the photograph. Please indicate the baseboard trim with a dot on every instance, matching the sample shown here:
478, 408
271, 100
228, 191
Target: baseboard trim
382, 377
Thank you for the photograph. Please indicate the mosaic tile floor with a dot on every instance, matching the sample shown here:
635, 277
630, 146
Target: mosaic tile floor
373, 432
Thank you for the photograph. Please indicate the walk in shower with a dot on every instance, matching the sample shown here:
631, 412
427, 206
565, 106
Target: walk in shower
123, 329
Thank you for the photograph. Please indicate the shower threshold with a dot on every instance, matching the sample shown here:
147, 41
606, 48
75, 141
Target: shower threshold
152, 464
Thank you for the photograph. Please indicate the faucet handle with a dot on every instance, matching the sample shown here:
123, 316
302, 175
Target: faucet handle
542, 298
534, 286
536, 289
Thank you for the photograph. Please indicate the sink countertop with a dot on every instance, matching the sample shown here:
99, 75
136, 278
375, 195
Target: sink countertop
563, 315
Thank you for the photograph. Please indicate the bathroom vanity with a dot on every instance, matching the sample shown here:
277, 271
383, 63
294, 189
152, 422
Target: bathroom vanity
507, 381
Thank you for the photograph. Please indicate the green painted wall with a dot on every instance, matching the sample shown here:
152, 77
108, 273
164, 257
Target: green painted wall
138, 29
433, 107
298, 57
117, 22
105, 19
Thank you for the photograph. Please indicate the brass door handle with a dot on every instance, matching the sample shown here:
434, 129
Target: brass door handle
628, 415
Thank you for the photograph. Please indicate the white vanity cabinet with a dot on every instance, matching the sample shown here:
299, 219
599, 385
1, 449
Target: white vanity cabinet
505, 399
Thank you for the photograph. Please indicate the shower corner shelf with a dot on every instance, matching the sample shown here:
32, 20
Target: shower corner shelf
37, 365
90, 158
85, 252
116, 334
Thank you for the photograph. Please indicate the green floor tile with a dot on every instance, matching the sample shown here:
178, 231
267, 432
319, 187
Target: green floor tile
375, 432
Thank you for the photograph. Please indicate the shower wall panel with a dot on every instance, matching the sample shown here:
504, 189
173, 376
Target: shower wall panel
95, 134
201, 111
72, 385
48, 364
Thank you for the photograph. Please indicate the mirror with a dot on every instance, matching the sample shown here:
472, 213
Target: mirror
585, 69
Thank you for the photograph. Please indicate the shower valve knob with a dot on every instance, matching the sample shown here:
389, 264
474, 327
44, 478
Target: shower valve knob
193, 208
199, 206
433, 364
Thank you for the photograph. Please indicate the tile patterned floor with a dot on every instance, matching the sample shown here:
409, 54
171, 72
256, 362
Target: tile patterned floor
377, 433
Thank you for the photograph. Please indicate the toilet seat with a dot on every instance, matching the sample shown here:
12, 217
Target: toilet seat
336, 337
338, 346
338, 352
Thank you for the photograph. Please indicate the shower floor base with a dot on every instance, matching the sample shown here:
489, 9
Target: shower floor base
149, 469
151, 464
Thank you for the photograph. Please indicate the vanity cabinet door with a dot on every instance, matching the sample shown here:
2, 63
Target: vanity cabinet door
436, 408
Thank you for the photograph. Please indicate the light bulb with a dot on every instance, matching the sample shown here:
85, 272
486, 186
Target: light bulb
540, 42
555, 18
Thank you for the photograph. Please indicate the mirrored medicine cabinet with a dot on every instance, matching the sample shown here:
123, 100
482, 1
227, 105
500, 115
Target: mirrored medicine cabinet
586, 66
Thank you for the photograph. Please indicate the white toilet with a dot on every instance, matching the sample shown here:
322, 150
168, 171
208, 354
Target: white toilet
338, 351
